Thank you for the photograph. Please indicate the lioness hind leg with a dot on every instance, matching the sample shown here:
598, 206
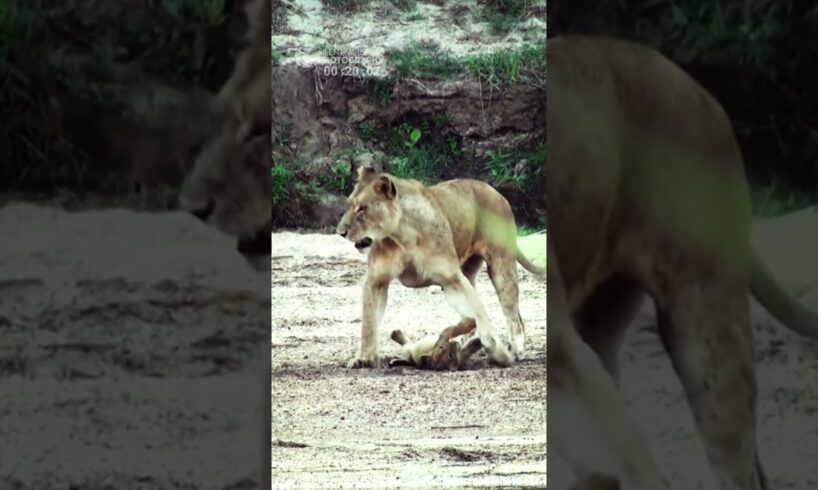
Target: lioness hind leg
594, 432
463, 298
503, 274
471, 267
604, 318
706, 331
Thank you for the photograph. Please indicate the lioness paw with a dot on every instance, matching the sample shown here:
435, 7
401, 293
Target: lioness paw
517, 348
359, 363
500, 355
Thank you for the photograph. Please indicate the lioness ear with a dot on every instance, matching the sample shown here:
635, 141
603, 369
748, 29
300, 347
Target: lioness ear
385, 187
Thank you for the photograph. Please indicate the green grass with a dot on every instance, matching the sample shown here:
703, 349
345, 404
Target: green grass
339, 179
416, 151
19, 25
280, 178
405, 5
418, 62
503, 15
345, 5
275, 56
379, 90
523, 65
519, 167
283, 130
507, 67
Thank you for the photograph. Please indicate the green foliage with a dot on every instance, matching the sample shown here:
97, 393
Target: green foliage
368, 129
503, 15
280, 179
416, 151
182, 46
341, 173
419, 62
19, 24
413, 161
379, 90
774, 200
526, 231
526, 63
755, 32
345, 5
520, 168
704, 25
501, 168
9, 25
414, 136
339, 179
283, 130
414, 15
405, 5
275, 55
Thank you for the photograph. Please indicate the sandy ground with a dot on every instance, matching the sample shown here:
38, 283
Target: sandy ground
129, 342
483, 427
129, 352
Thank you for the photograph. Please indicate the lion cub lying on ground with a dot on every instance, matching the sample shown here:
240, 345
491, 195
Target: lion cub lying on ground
438, 352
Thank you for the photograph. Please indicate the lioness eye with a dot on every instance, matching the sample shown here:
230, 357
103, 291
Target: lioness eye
361, 209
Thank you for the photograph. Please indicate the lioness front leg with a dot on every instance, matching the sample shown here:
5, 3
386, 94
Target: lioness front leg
374, 304
463, 298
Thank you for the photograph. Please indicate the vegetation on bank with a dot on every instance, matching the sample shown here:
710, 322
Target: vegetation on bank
67, 70
525, 64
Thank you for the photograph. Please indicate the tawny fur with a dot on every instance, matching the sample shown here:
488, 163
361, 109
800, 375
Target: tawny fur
250, 82
438, 352
650, 196
229, 180
435, 235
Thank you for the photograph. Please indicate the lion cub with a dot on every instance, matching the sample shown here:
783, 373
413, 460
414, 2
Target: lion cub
437, 352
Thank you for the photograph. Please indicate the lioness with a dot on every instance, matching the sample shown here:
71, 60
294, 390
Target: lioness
251, 77
437, 352
229, 184
439, 235
649, 195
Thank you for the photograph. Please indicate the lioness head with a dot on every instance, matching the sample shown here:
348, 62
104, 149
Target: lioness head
373, 211
228, 186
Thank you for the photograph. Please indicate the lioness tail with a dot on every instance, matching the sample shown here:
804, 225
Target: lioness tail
775, 299
528, 265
